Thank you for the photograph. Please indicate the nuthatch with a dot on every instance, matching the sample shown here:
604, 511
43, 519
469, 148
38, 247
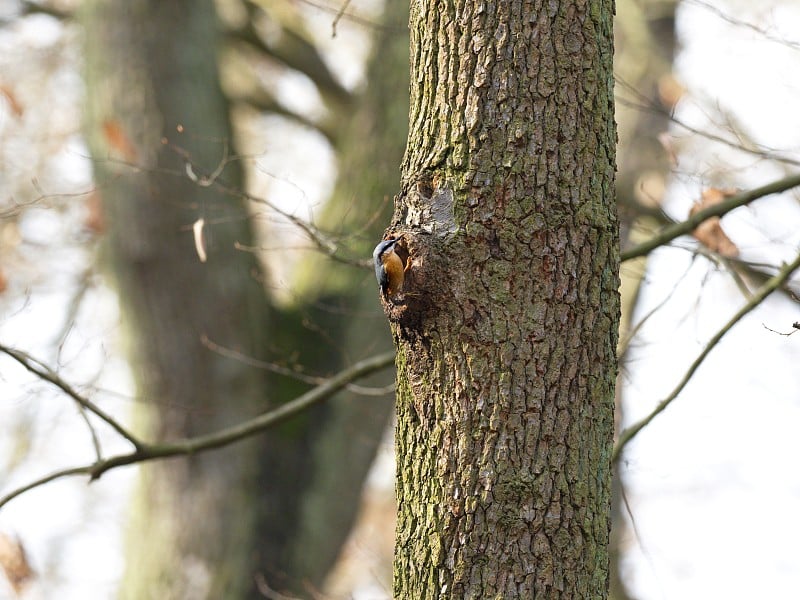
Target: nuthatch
388, 267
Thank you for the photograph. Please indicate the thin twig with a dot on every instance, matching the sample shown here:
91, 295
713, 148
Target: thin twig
624, 344
224, 437
645, 103
72, 311
354, 18
326, 243
292, 372
338, 17
787, 333
770, 286
98, 450
746, 25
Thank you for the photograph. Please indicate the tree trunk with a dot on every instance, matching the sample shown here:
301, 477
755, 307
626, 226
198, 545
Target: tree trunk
153, 101
507, 325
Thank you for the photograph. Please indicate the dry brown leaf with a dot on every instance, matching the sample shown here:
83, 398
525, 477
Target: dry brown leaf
710, 232
118, 140
670, 90
95, 220
13, 102
14, 563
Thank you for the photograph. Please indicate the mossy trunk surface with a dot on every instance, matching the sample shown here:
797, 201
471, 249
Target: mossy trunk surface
507, 325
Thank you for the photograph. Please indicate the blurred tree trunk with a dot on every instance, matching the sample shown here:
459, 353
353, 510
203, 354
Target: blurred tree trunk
153, 101
645, 50
341, 299
507, 328
279, 507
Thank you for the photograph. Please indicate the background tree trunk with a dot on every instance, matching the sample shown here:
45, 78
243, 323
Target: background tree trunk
645, 49
507, 328
341, 299
280, 506
193, 524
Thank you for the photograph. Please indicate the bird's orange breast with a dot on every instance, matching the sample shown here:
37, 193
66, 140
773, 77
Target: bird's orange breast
394, 272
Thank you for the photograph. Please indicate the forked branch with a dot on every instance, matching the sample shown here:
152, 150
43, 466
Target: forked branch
146, 452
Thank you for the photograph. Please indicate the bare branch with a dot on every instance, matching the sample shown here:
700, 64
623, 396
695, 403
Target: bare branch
770, 286
324, 242
737, 268
673, 231
47, 374
98, 450
44, 480
224, 437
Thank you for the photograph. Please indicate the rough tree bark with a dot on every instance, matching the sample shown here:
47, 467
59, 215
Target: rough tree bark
507, 326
